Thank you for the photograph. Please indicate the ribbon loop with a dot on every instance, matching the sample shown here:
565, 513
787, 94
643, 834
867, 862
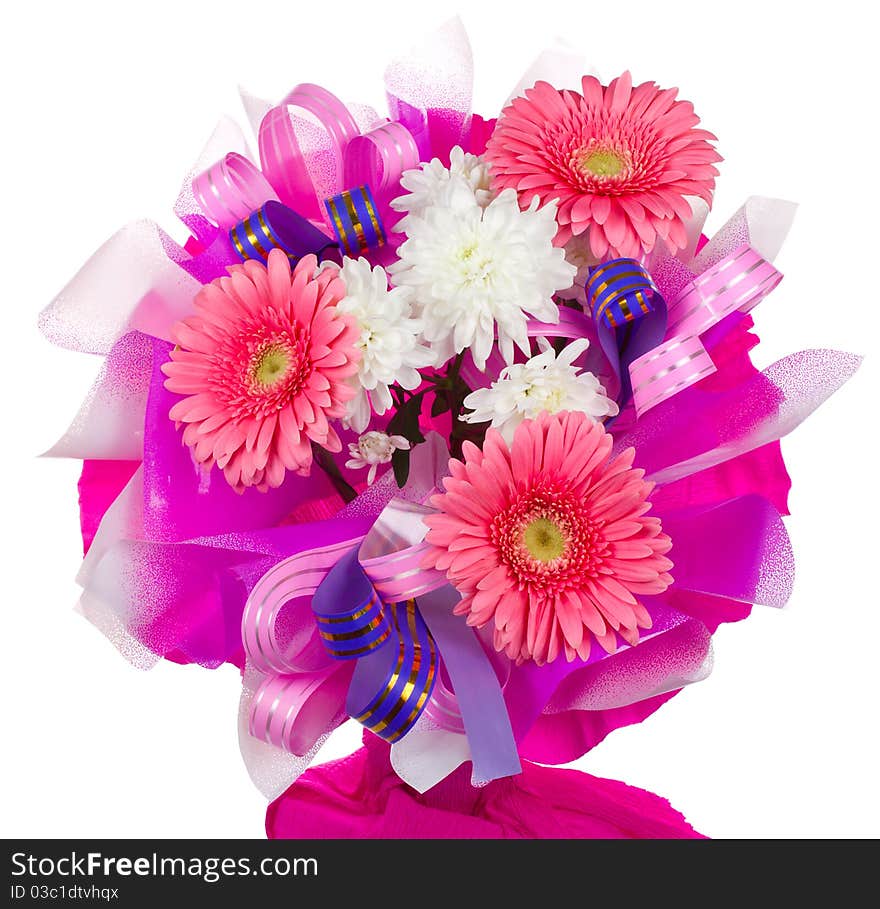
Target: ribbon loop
348, 635
668, 369
230, 189
289, 711
287, 165
380, 157
290, 584
410, 675
738, 282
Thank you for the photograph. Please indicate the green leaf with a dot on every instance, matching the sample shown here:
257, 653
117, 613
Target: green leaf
406, 421
400, 465
440, 405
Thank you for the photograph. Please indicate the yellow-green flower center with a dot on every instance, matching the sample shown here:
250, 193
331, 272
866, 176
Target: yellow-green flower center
602, 162
544, 540
271, 366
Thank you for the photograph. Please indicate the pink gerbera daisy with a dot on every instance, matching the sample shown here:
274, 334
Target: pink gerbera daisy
548, 539
619, 160
264, 363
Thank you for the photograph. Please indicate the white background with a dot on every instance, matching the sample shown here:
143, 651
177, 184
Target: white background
104, 108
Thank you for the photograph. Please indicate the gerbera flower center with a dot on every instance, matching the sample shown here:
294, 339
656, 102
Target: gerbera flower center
274, 367
547, 538
602, 161
544, 540
550, 399
271, 365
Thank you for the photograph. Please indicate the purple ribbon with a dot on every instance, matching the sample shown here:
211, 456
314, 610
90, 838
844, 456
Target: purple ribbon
396, 673
477, 690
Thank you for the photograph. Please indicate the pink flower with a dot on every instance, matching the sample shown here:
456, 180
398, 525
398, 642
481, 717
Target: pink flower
619, 160
548, 539
264, 364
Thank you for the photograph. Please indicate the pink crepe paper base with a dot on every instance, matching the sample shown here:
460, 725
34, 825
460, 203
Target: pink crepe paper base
360, 796
99, 484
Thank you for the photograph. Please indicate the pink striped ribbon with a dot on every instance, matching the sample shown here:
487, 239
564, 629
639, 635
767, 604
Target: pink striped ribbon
230, 189
289, 711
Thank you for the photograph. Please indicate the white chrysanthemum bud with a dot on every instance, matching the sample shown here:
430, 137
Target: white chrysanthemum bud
547, 382
425, 184
372, 449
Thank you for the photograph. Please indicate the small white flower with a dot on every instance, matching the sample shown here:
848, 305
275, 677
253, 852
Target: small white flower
372, 449
426, 183
578, 254
391, 351
545, 382
475, 272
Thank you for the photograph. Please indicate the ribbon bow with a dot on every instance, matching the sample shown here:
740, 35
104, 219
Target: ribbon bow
374, 606
317, 169
321, 176
656, 352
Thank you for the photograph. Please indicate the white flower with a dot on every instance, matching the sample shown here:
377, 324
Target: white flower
426, 183
578, 254
476, 271
391, 351
545, 382
372, 449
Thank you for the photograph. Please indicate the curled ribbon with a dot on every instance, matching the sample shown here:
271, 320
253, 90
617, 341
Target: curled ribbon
356, 220
620, 291
396, 654
629, 315
272, 226
375, 607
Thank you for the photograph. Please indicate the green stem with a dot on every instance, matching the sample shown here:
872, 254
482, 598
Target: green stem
455, 369
454, 398
325, 461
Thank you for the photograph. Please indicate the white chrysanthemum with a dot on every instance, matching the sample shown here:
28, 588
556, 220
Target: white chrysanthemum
578, 254
372, 449
391, 350
545, 382
474, 272
425, 184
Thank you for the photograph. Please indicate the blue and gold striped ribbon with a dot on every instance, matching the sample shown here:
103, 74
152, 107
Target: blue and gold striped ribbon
620, 291
356, 220
275, 226
394, 709
347, 636
396, 655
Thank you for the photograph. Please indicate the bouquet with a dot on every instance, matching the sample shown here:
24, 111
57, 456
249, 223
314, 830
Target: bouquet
445, 424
